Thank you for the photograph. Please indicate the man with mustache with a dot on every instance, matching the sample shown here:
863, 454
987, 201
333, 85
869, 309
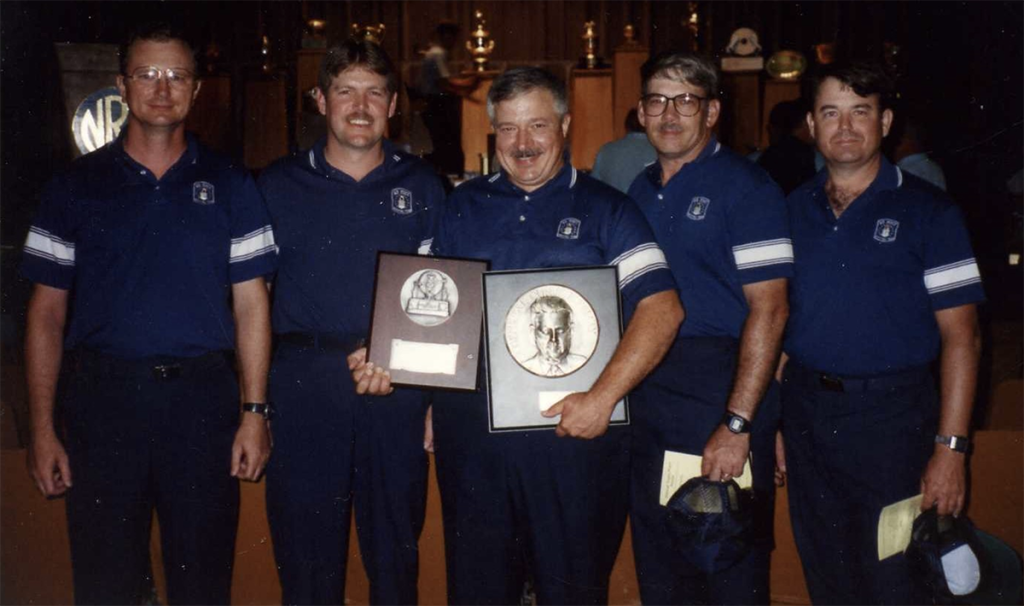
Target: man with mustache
334, 207
722, 224
545, 504
151, 252
885, 282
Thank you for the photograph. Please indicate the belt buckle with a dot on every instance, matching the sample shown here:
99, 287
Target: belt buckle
166, 372
831, 382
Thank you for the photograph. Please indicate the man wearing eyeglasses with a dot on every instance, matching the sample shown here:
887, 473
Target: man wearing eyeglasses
151, 252
722, 224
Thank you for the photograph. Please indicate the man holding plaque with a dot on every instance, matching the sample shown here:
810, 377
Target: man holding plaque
885, 283
545, 504
722, 223
151, 252
334, 207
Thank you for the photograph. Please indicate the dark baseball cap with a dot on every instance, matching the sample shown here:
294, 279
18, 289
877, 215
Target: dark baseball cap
712, 523
956, 563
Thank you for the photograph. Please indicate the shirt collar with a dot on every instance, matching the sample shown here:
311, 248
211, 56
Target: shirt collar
710, 149
188, 158
317, 161
565, 177
889, 177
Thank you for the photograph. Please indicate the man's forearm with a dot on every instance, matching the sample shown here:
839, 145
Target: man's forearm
760, 344
961, 350
648, 337
44, 350
252, 325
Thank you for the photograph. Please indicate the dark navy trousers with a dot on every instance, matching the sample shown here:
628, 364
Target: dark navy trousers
527, 505
677, 408
138, 439
848, 455
334, 449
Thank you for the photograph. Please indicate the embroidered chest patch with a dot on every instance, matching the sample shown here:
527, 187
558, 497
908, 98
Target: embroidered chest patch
698, 208
401, 201
569, 228
885, 230
202, 192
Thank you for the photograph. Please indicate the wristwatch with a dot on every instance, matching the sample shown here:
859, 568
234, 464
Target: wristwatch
735, 423
955, 443
266, 410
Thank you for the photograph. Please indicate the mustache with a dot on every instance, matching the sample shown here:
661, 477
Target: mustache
523, 154
671, 127
359, 115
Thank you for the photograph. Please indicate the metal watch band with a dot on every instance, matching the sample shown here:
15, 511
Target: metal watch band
266, 410
955, 443
736, 423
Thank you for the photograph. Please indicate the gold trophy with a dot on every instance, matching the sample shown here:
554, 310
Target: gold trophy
480, 47
368, 32
590, 60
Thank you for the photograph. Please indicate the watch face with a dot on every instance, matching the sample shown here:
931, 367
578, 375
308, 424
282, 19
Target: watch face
736, 425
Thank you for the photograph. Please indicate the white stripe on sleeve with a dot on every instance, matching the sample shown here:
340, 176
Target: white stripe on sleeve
42, 243
759, 254
954, 275
253, 244
638, 261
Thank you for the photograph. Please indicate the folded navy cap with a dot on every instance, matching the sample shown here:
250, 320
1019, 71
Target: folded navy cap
957, 563
712, 523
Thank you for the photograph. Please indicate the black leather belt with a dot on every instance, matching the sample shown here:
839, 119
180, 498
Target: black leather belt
321, 340
161, 368
822, 381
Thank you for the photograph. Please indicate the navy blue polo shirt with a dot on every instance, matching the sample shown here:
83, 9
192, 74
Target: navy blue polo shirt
722, 223
329, 228
572, 220
150, 261
867, 285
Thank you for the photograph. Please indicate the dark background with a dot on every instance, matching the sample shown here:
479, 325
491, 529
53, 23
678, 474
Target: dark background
959, 64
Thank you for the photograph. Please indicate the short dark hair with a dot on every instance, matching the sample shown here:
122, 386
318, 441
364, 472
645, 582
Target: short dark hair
865, 79
356, 52
521, 80
697, 70
154, 31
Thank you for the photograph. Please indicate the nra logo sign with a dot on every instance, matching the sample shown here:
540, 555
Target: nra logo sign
98, 119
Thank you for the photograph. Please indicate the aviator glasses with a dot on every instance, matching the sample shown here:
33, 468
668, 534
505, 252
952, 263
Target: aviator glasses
149, 75
687, 104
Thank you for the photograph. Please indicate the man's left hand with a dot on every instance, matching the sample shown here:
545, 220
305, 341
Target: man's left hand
582, 416
251, 450
725, 454
944, 482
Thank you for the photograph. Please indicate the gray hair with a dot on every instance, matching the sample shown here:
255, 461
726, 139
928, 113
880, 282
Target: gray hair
681, 67
522, 80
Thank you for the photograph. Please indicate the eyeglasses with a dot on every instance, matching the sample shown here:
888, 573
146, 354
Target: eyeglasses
686, 104
176, 77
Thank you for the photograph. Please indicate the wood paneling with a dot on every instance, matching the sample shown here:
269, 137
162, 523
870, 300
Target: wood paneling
475, 123
626, 81
590, 104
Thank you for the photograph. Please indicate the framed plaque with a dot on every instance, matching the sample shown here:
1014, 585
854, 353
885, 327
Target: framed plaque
426, 320
549, 333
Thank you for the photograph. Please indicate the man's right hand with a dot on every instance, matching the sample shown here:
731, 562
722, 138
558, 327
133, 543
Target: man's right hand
369, 379
48, 465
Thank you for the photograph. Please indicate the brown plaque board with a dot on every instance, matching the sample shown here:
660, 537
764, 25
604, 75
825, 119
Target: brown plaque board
426, 320
549, 333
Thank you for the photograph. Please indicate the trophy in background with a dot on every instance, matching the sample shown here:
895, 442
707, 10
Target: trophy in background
480, 46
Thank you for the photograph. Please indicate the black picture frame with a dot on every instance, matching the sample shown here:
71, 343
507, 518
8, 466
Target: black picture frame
521, 378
